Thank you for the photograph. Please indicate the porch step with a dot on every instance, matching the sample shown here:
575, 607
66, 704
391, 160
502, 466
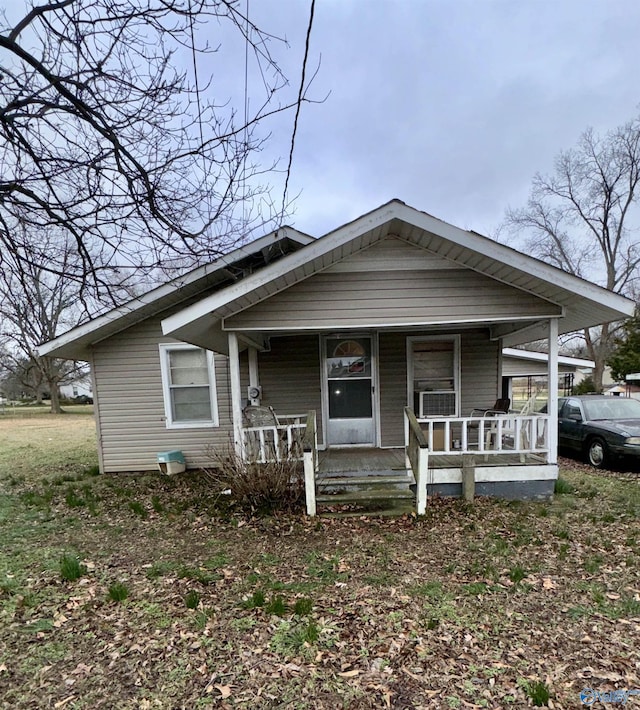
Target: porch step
371, 512
377, 484
349, 480
370, 494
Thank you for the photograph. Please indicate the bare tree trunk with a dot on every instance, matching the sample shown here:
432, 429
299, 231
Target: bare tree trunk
598, 375
55, 399
599, 347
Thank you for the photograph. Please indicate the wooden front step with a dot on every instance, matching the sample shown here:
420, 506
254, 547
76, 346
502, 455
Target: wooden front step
359, 479
337, 484
371, 511
370, 494
374, 493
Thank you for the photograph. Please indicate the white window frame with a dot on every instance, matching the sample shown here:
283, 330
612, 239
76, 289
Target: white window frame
165, 349
455, 339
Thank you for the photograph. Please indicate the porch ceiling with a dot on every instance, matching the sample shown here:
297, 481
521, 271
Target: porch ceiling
583, 304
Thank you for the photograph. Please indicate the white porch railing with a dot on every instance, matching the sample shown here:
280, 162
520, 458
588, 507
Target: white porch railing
498, 434
294, 438
265, 443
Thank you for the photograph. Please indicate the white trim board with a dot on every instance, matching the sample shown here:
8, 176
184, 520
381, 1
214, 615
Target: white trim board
497, 474
359, 326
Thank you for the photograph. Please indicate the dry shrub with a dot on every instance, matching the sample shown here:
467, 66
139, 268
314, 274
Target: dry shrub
258, 488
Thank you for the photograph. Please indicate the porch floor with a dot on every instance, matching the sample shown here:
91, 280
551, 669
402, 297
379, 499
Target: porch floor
362, 460
370, 461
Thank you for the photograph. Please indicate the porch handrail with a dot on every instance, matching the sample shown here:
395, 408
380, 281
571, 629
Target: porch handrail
415, 428
498, 434
309, 438
418, 457
310, 459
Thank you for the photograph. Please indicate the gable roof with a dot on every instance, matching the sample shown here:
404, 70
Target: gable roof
75, 343
583, 304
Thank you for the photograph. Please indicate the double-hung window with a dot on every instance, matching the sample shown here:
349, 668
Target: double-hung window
189, 386
434, 375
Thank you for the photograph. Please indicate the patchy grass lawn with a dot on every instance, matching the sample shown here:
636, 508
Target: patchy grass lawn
36, 446
142, 592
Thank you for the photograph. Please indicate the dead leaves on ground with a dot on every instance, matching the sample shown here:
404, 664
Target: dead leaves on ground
463, 608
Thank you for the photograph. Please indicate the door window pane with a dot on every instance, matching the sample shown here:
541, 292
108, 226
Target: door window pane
348, 357
350, 399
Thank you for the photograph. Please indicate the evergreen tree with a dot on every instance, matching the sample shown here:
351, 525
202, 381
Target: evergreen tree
626, 356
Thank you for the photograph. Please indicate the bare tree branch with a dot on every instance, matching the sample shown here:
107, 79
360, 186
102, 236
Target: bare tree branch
104, 137
584, 218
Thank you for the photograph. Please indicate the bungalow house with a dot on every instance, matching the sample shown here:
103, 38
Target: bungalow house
378, 348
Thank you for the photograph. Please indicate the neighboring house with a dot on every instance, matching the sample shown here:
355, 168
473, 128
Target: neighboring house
607, 378
78, 388
392, 314
626, 390
582, 374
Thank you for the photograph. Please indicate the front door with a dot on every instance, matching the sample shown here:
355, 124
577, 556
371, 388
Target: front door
349, 372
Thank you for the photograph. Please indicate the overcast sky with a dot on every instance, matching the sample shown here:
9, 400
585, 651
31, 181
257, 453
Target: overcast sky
449, 105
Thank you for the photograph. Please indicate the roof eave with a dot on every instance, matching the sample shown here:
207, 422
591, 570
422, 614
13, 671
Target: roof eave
75, 344
540, 357
609, 305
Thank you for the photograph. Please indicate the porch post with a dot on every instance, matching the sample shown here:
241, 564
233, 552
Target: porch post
254, 379
552, 405
236, 393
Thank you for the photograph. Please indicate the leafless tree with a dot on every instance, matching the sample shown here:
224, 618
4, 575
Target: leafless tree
584, 219
35, 306
108, 134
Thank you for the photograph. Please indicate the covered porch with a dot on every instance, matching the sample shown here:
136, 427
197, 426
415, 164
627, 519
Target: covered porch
374, 461
506, 456
348, 477
403, 407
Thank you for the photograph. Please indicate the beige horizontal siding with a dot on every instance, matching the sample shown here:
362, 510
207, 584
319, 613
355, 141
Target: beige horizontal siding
479, 371
392, 386
128, 391
479, 381
392, 254
360, 299
515, 367
290, 376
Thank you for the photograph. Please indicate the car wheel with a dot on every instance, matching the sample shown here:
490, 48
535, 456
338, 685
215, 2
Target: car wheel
597, 454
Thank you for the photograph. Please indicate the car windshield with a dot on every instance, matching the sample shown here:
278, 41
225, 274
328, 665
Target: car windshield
612, 408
